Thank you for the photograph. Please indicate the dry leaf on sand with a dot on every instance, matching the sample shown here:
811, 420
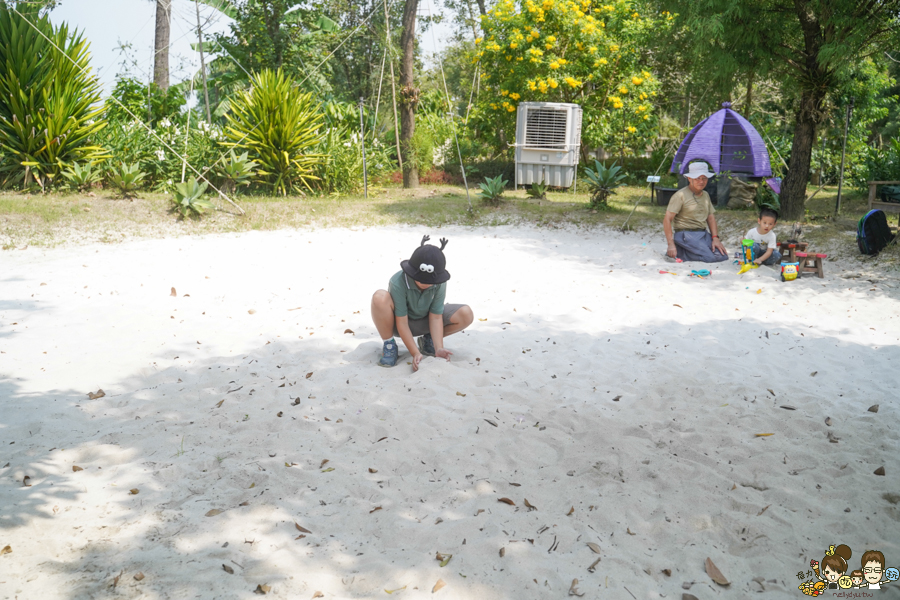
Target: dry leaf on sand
350, 331
308, 375
301, 528
460, 394
228, 569
444, 558
214, 512
437, 586
262, 589
318, 595
100, 393
219, 403
879, 471
138, 576
571, 512
371, 470
529, 505
173, 292
502, 552
506, 501
573, 589
323, 463
374, 509
134, 491
686, 596
873, 408
76, 468
594, 547
714, 573
6, 550
390, 591
251, 312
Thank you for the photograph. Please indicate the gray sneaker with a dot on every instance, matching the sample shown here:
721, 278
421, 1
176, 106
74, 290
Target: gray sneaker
426, 345
389, 354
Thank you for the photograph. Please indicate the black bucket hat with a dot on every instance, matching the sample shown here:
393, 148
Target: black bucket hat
427, 263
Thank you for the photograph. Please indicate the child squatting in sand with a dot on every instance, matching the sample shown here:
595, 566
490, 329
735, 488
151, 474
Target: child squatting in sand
765, 248
414, 307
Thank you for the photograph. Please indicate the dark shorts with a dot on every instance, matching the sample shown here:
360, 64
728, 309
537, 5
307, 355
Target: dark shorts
420, 326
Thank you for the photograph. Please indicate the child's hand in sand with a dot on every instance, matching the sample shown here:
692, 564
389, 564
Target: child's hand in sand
417, 358
443, 353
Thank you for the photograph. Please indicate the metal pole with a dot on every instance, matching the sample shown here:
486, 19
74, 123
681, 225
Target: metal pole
362, 138
202, 62
837, 205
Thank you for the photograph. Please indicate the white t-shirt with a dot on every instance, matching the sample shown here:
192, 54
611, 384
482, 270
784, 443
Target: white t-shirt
765, 241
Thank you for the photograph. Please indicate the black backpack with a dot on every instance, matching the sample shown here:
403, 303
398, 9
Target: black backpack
890, 193
873, 233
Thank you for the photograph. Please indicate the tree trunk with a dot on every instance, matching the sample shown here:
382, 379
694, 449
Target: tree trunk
161, 44
409, 95
793, 190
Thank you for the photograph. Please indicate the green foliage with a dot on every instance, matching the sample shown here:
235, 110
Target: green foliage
80, 177
236, 171
879, 165
602, 182
188, 199
49, 101
766, 198
279, 126
537, 191
134, 95
492, 190
127, 179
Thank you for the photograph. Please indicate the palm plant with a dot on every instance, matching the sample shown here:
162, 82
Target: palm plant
602, 183
127, 179
80, 177
492, 189
277, 125
50, 105
188, 199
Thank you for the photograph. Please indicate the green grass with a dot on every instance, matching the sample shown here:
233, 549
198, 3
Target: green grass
35, 220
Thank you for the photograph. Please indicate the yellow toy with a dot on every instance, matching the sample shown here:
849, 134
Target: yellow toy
790, 271
747, 266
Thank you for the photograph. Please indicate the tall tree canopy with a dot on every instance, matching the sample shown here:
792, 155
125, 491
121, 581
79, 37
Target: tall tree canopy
808, 45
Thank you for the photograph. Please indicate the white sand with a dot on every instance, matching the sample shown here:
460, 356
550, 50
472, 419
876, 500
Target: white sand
589, 379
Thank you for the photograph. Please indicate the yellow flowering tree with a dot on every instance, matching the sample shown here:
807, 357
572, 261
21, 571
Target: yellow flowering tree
580, 51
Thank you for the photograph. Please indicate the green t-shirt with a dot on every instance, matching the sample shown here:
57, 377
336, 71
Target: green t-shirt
691, 212
410, 301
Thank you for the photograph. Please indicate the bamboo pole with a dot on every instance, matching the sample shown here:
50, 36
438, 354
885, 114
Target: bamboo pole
387, 25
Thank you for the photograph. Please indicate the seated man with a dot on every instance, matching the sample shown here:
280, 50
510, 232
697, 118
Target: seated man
690, 211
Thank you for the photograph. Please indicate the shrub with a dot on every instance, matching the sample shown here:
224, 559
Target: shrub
49, 105
127, 179
236, 171
81, 178
188, 199
602, 183
492, 190
537, 191
279, 126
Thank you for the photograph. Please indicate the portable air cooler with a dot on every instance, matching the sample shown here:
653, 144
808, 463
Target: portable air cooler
548, 140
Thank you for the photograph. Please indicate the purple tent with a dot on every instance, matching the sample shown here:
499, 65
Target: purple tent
728, 142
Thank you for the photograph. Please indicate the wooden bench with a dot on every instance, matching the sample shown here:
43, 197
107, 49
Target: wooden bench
888, 207
811, 263
789, 250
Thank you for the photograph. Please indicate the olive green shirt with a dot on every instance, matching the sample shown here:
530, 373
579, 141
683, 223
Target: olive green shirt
410, 301
690, 211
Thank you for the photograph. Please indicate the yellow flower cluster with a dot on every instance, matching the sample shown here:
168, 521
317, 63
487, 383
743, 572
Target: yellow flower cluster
554, 65
573, 82
616, 102
632, 129
514, 96
614, 48
637, 80
623, 90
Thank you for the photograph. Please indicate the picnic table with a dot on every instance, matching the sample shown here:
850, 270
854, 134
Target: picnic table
888, 207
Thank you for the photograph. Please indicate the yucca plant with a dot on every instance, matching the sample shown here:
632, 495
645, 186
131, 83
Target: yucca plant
492, 189
188, 199
237, 171
279, 126
49, 105
127, 179
538, 191
80, 177
602, 183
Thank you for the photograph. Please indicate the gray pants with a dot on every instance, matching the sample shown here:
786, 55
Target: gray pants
697, 246
420, 326
775, 259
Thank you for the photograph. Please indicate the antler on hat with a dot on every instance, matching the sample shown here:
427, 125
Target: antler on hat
443, 243
425, 238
